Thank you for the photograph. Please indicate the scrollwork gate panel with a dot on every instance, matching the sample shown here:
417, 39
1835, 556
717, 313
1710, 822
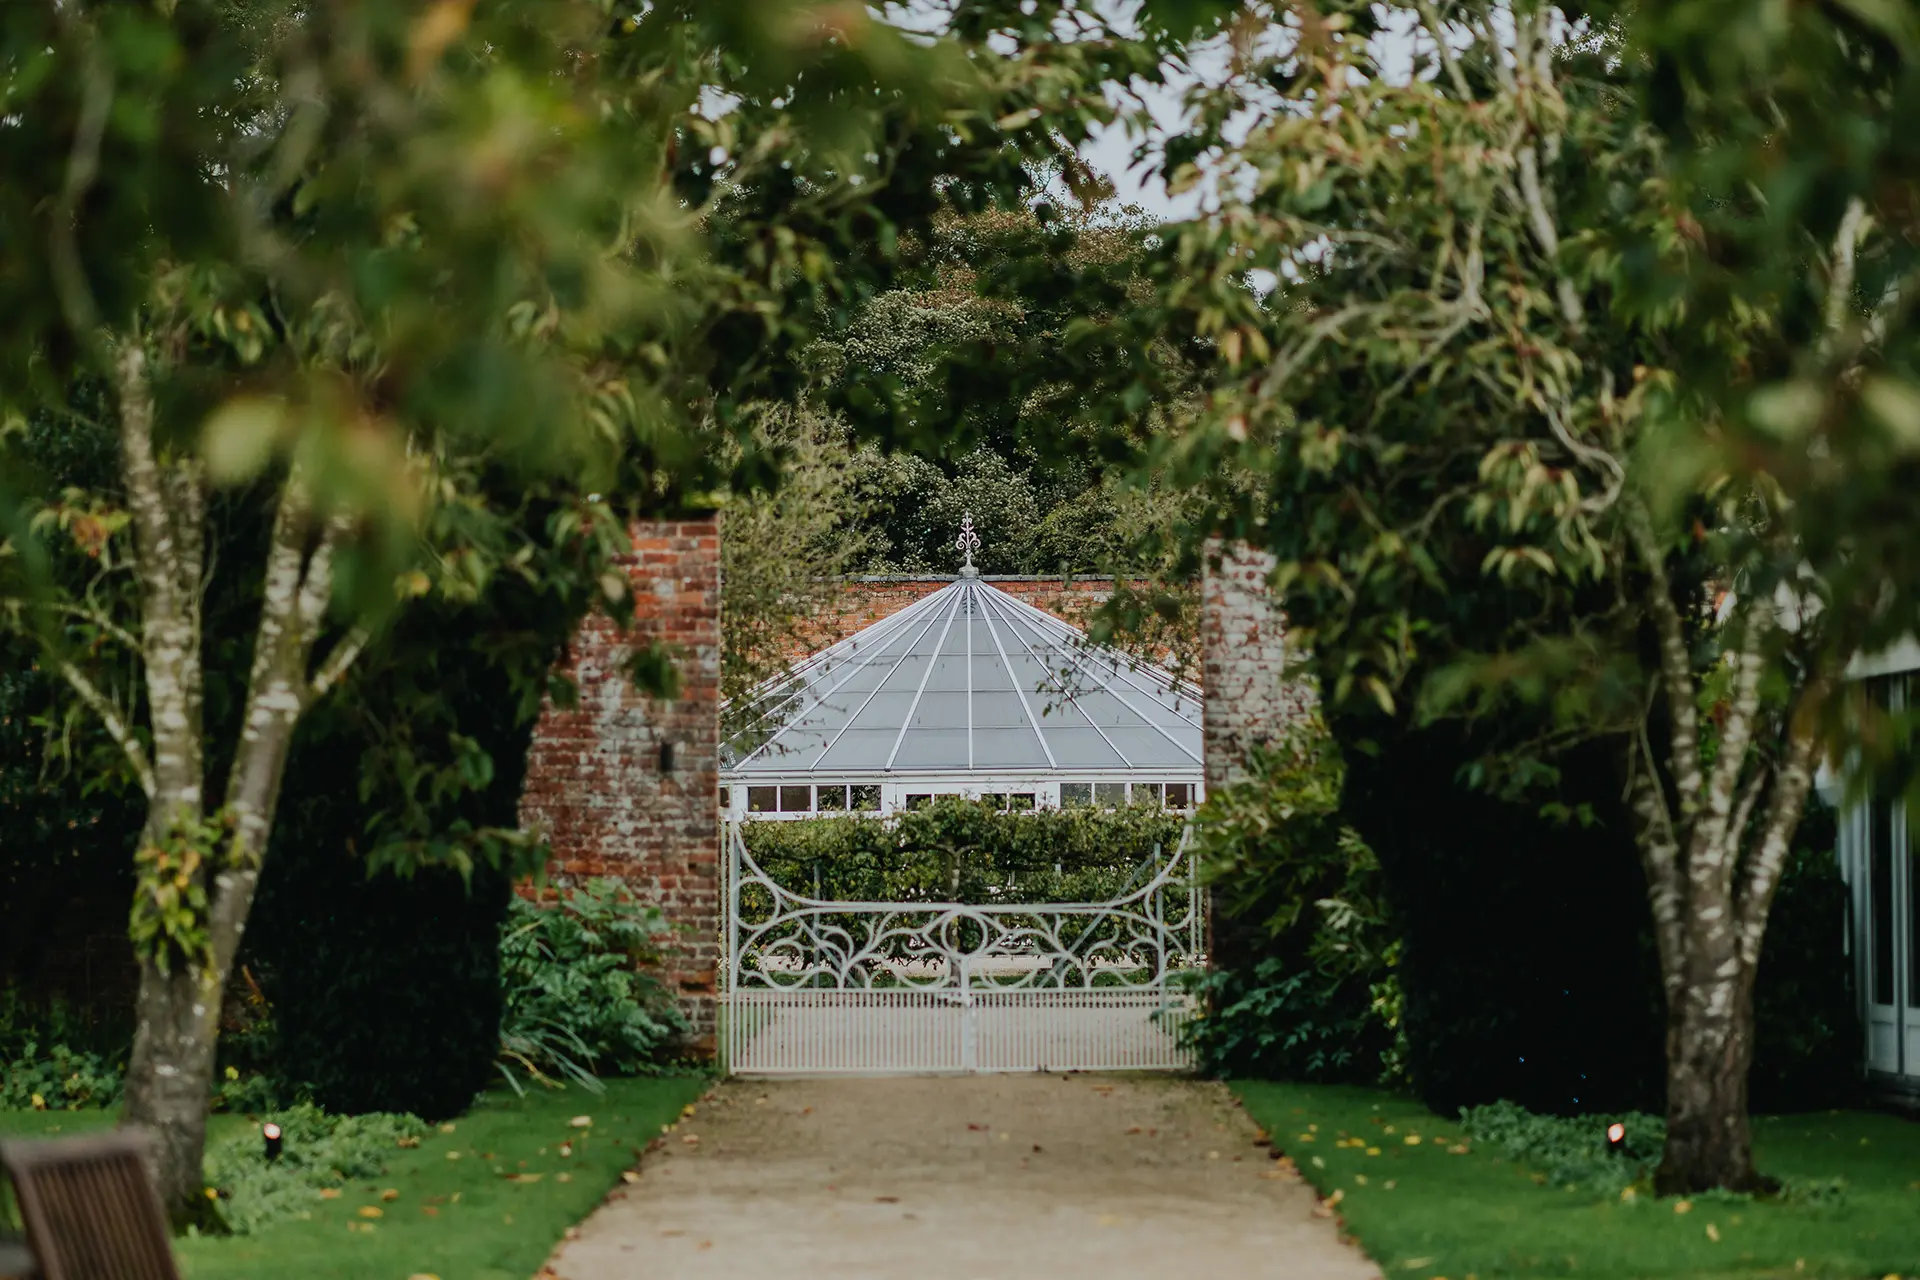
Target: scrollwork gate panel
824, 987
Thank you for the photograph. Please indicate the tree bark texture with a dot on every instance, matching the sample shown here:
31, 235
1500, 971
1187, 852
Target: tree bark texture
1714, 830
170, 1075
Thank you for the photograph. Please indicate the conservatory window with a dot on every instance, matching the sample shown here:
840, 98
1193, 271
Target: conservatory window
1179, 795
763, 799
796, 799
1146, 793
831, 797
1075, 793
919, 800
1110, 795
866, 798
1020, 800
726, 797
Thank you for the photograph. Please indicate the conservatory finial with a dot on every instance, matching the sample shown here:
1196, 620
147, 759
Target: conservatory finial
968, 542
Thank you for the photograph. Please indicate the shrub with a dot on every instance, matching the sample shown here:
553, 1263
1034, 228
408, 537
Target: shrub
386, 992
1570, 1152
1527, 964
1529, 969
1303, 981
576, 1001
1807, 1032
317, 1151
58, 1078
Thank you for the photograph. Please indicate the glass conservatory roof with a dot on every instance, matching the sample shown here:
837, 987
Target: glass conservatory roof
968, 679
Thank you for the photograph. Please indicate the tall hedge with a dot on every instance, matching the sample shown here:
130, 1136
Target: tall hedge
1529, 968
385, 986
957, 850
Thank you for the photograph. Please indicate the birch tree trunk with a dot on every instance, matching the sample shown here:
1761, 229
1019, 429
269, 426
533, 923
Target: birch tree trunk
170, 1076
1714, 838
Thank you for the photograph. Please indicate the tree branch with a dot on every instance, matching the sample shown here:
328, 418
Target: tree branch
1660, 851
1846, 246
1736, 736
1430, 19
1791, 784
1676, 671
336, 664
117, 728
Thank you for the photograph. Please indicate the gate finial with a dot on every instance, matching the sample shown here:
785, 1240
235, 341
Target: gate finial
968, 542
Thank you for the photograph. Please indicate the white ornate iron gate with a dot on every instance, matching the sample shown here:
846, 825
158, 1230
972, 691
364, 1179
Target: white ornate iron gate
816, 987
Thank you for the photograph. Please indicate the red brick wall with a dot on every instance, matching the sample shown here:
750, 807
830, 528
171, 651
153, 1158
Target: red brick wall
595, 789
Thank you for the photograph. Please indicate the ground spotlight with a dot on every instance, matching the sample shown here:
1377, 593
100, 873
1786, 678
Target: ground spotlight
270, 1137
1617, 1138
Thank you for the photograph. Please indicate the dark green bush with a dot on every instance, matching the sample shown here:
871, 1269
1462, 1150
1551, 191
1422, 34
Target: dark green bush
1302, 985
957, 850
1807, 1033
1529, 968
577, 1000
377, 933
386, 991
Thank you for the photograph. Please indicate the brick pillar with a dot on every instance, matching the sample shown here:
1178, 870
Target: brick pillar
597, 788
1243, 661
1249, 701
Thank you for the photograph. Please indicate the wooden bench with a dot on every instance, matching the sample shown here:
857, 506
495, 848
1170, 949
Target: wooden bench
89, 1209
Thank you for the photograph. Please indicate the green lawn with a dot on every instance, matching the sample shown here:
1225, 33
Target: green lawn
1424, 1211
487, 1201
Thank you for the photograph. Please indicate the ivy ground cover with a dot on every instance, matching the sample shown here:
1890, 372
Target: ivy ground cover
485, 1200
1425, 1200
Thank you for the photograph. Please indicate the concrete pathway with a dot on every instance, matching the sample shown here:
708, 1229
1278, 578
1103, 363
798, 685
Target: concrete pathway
962, 1178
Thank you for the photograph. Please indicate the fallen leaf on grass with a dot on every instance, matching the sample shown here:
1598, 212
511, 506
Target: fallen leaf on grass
429, 1211
447, 1127
329, 1193
1683, 1206
423, 1275
1412, 1139
1457, 1149
1414, 1264
1713, 1233
409, 1142
390, 1194
372, 1211
1373, 1151
581, 1122
453, 1155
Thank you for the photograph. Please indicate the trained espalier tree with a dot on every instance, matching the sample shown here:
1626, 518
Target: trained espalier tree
428, 296
1487, 484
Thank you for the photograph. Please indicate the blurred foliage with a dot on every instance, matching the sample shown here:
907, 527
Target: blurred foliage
578, 999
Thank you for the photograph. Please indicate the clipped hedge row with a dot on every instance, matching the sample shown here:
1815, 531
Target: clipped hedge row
957, 850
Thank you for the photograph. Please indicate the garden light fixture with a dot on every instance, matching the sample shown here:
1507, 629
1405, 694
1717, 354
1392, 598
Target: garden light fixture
1617, 1138
270, 1136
